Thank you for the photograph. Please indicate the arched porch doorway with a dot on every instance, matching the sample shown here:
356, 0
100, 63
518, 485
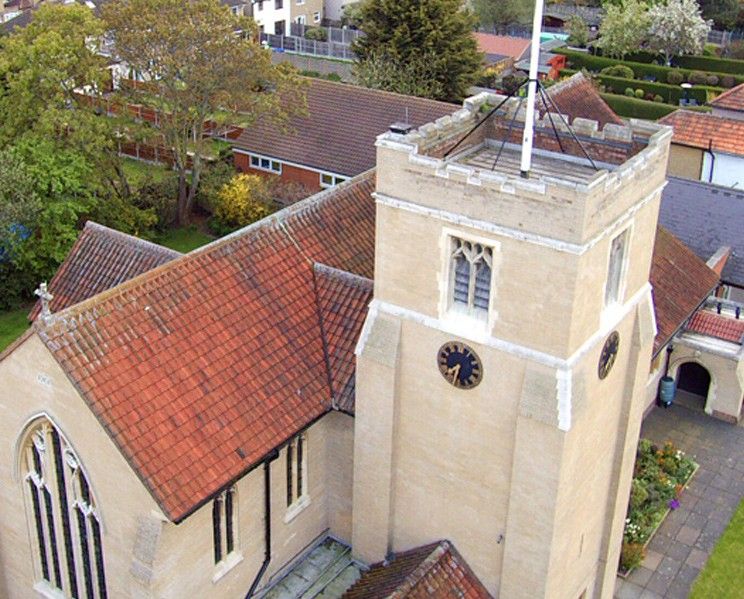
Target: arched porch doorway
693, 383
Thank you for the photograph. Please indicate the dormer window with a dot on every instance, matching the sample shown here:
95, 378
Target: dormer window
471, 266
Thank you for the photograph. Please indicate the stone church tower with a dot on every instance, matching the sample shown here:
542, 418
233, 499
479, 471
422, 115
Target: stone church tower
501, 366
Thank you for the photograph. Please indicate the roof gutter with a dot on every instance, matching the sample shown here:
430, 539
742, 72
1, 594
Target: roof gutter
267, 522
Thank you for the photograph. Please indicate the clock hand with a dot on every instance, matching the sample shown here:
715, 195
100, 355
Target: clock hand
455, 372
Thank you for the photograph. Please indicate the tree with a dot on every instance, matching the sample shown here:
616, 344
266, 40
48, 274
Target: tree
415, 77
438, 31
624, 28
677, 28
245, 199
495, 14
200, 62
44, 68
724, 13
578, 31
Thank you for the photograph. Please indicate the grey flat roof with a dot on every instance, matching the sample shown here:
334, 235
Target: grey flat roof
706, 217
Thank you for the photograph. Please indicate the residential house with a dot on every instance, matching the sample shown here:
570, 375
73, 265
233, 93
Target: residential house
549, 65
437, 349
275, 16
335, 139
707, 147
501, 51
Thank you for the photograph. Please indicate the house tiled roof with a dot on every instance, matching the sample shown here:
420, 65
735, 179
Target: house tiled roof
338, 132
577, 97
717, 325
732, 99
702, 130
342, 301
202, 366
100, 259
706, 217
502, 45
681, 281
435, 571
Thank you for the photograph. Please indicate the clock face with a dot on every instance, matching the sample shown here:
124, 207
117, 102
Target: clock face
608, 355
460, 365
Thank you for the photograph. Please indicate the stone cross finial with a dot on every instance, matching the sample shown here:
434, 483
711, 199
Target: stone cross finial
43, 294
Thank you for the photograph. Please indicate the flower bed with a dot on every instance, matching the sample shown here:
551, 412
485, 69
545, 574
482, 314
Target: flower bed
659, 477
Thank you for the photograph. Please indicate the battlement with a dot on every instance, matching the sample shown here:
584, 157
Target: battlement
484, 160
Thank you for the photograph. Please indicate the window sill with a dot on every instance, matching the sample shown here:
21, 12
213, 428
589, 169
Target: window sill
227, 564
48, 592
294, 510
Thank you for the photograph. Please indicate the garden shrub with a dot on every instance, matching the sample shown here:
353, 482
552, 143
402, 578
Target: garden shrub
675, 77
639, 93
317, 34
735, 50
631, 555
727, 81
630, 92
333, 77
214, 178
697, 78
711, 80
245, 199
658, 98
160, 196
619, 70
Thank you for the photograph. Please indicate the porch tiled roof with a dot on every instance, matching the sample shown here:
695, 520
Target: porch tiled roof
577, 97
732, 99
435, 571
200, 367
717, 325
681, 281
100, 259
702, 130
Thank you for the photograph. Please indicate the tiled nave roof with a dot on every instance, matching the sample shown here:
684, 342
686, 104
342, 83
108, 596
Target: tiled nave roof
200, 367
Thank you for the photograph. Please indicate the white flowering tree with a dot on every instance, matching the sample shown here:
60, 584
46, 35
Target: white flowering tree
677, 28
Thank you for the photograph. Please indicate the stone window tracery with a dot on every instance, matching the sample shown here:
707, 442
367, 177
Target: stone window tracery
471, 267
66, 525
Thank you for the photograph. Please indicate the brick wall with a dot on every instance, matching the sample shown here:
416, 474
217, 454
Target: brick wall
290, 174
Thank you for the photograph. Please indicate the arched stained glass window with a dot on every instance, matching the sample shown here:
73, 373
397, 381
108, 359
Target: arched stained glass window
67, 534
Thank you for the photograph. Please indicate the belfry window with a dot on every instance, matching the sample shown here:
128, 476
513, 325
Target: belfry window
296, 469
67, 531
470, 276
616, 268
223, 524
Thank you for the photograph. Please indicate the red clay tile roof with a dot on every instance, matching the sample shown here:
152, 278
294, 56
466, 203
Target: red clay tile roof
202, 366
342, 300
100, 259
732, 99
435, 571
502, 45
342, 123
699, 129
681, 281
717, 325
577, 97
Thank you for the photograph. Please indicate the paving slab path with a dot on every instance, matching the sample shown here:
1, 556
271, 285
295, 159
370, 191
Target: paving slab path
681, 546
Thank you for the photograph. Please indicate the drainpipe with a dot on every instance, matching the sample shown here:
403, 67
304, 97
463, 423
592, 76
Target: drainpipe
267, 522
712, 160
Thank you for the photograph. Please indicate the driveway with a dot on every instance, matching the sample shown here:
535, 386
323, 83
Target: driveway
687, 536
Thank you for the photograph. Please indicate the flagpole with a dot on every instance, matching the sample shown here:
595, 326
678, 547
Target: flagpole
529, 123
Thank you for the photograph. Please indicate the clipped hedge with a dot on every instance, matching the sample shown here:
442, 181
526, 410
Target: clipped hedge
711, 64
628, 107
597, 63
672, 94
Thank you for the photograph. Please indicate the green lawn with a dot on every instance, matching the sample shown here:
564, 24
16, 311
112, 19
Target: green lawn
184, 240
12, 325
723, 576
138, 171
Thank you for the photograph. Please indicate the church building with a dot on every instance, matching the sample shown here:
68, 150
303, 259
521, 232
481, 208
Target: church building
426, 382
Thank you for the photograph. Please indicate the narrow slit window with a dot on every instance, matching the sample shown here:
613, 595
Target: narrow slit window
615, 269
223, 525
296, 469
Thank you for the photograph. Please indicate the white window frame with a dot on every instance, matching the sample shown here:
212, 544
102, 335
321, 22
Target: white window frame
265, 163
473, 322
301, 20
316, 17
327, 180
300, 2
